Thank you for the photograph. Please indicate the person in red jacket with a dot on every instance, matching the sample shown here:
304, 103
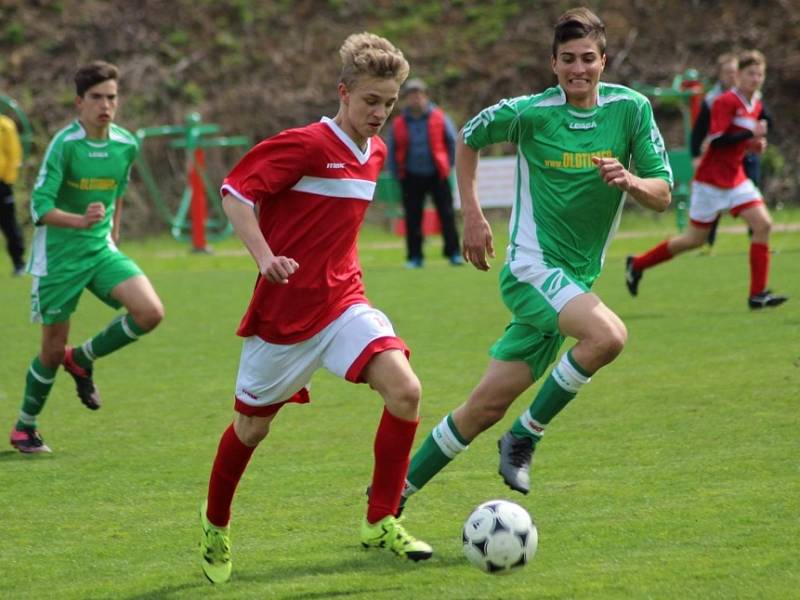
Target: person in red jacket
421, 155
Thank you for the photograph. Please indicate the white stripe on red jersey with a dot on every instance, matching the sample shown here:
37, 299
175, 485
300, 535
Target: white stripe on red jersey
226, 189
748, 123
312, 186
342, 188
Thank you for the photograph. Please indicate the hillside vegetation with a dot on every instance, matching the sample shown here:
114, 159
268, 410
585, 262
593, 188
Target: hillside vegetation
256, 67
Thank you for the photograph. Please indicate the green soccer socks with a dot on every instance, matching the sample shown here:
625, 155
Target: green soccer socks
37, 386
561, 386
122, 331
439, 448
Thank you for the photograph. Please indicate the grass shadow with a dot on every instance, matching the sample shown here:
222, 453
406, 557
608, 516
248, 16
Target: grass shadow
7, 455
385, 565
393, 591
643, 316
169, 590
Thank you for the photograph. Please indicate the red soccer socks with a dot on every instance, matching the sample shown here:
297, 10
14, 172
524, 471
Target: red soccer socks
393, 442
229, 465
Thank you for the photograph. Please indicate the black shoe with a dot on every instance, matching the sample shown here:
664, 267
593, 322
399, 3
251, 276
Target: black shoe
84, 385
765, 299
632, 276
400, 508
712, 232
516, 454
28, 441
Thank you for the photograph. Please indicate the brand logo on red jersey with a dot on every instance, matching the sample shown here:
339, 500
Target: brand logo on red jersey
336, 165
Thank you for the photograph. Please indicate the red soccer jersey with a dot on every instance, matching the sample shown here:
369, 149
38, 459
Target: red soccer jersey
312, 187
721, 166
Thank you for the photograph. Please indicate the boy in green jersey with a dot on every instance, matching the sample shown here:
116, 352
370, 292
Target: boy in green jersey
574, 142
76, 207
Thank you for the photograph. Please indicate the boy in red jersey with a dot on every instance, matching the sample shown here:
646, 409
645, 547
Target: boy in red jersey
311, 187
720, 183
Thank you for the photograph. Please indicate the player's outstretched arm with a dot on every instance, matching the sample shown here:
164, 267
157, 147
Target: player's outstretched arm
651, 192
276, 269
477, 234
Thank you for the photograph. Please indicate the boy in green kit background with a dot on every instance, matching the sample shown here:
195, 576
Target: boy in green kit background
76, 207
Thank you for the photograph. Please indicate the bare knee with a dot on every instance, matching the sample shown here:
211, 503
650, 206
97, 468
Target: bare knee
762, 229
481, 411
52, 355
694, 242
606, 346
692, 238
686, 242
404, 397
149, 317
487, 414
614, 342
251, 430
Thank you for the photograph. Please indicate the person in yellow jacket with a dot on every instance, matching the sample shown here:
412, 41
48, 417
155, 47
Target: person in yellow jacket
10, 163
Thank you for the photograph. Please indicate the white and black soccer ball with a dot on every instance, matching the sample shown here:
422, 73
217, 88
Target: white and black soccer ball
499, 536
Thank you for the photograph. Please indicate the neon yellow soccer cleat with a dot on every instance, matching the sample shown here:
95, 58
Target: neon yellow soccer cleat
215, 550
389, 533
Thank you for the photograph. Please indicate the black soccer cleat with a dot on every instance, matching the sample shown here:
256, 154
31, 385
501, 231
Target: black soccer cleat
400, 508
84, 385
632, 276
28, 441
712, 232
516, 454
765, 299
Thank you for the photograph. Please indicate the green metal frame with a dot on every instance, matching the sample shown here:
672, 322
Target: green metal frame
191, 132
388, 191
680, 159
8, 104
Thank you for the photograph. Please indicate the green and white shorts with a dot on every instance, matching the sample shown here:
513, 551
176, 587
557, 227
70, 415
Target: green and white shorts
55, 296
535, 295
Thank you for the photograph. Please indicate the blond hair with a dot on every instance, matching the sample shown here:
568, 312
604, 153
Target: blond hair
371, 55
727, 57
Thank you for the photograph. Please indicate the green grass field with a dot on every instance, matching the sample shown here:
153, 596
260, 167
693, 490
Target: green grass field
674, 474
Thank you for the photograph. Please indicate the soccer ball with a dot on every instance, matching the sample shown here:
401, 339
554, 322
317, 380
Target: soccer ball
499, 536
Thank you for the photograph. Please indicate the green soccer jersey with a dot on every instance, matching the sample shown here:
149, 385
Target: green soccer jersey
564, 215
75, 172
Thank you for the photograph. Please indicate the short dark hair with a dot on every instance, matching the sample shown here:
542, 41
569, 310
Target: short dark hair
91, 74
751, 57
579, 23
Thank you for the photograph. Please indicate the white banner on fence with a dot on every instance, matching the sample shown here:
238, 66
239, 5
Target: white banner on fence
495, 182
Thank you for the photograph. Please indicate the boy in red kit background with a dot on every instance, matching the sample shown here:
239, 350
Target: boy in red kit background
720, 184
297, 201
